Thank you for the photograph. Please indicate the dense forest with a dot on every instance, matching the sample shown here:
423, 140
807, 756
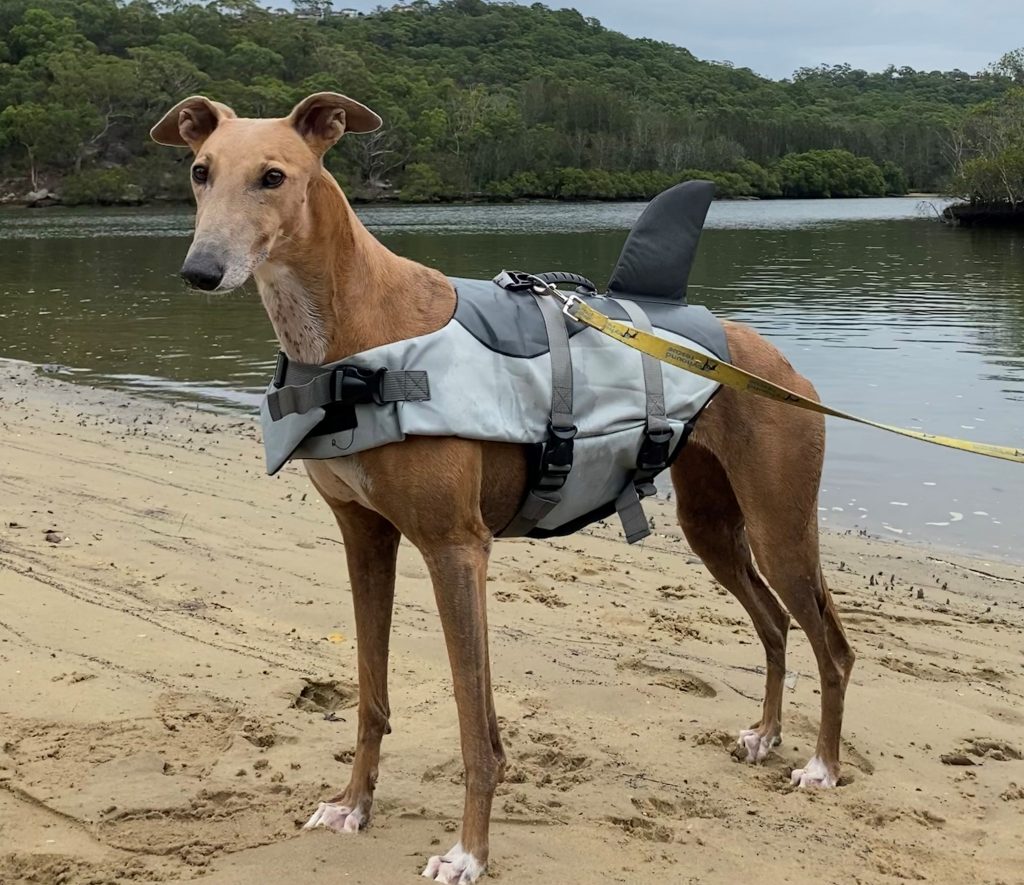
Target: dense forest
493, 100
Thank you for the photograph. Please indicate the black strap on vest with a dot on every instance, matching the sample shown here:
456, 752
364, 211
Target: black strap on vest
301, 387
556, 458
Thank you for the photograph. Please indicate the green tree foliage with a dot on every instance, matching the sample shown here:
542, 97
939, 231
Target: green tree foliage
989, 153
832, 173
1011, 64
479, 98
423, 184
100, 186
895, 178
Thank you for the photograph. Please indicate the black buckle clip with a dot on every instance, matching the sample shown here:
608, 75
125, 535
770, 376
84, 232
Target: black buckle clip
515, 281
556, 462
355, 386
281, 369
654, 450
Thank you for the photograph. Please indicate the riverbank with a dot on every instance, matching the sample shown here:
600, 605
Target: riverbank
47, 199
1001, 215
173, 624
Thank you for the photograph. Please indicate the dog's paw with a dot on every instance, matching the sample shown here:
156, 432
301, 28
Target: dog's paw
339, 818
814, 774
457, 867
754, 747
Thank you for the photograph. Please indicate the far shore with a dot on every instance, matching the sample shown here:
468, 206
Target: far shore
472, 200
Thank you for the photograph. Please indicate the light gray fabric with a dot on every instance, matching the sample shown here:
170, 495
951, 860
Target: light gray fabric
478, 393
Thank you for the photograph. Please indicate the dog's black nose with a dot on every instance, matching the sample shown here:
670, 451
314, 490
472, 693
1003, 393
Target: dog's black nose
202, 271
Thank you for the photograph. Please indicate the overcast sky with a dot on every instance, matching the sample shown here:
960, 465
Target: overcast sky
775, 37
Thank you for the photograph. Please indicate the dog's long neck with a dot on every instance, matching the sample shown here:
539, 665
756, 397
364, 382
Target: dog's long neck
331, 289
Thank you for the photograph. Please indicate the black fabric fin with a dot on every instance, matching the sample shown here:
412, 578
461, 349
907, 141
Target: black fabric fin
659, 251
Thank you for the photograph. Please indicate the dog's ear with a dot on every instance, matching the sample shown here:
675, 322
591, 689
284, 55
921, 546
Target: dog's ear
190, 122
321, 119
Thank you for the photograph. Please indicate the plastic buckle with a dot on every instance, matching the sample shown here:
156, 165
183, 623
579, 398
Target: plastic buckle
654, 450
281, 369
356, 386
514, 281
556, 462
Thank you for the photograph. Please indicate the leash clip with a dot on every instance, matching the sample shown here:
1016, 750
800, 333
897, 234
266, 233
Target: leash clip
569, 304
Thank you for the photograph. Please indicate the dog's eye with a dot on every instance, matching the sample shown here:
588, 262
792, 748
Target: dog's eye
272, 178
200, 174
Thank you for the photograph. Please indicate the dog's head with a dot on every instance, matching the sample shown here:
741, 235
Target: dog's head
251, 177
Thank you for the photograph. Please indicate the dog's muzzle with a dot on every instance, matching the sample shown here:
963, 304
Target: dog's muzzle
203, 271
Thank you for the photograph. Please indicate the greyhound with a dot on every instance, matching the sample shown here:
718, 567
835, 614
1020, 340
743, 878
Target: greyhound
746, 483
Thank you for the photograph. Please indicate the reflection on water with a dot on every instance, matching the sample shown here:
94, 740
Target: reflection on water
891, 315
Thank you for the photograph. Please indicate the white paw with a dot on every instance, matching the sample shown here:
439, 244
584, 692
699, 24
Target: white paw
457, 867
339, 818
758, 746
815, 774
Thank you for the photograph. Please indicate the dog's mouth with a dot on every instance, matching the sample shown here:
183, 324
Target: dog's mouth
235, 278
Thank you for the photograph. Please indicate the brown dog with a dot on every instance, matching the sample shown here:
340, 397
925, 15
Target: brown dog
746, 483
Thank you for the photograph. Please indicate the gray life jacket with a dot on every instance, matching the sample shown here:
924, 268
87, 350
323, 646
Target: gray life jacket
600, 419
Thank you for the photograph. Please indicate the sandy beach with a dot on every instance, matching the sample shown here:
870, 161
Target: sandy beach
175, 627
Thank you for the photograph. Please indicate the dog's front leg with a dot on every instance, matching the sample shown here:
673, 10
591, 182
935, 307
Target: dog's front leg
371, 547
458, 567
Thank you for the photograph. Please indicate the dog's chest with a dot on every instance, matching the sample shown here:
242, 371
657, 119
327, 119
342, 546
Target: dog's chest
343, 479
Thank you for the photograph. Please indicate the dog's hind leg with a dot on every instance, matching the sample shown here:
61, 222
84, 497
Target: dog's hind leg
371, 548
796, 576
772, 456
713, 524
778, 496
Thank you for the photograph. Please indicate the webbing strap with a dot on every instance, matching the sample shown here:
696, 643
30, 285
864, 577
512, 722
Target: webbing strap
556, 460
654, 452
631, 513
654, 381
561, 362
301, 387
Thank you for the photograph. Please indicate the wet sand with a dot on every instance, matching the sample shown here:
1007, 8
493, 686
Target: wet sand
174, 625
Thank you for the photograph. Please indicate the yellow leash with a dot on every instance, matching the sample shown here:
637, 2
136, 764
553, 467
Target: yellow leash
731, 376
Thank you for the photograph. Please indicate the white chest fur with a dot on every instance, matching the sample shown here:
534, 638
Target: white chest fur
293, 313
343, 479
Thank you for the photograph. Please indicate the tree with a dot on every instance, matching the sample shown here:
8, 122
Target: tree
990, 152
895, 178
248, 60
423, 183
832, 173
1012, 65
45, 132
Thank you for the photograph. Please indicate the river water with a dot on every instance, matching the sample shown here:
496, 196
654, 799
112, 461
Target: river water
890, 313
